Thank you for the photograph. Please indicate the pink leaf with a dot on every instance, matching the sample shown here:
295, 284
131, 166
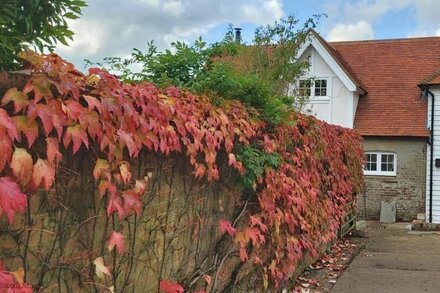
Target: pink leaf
43, 174
208, 279
93, 103
232, 160
52, 150
115, 204
116, 240
127, 140
243, 254
77, 135
5, 152
12, 200
225, 226
169, 287
7, 124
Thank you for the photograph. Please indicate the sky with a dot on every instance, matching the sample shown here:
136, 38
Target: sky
112, 28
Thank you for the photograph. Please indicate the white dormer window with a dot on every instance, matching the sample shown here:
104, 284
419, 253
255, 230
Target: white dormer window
313, 88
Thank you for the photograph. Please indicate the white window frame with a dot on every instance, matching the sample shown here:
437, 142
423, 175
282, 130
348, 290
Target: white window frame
312, 96
379, 171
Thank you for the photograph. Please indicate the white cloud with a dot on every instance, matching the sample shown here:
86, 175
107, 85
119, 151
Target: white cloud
424, 33
114, 27
93, 35
424, 12
174, 8
260, 15
360, 30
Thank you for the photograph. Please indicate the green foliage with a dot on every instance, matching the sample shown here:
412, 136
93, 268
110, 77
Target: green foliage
259, 74
36, 23
223, 81
255, 161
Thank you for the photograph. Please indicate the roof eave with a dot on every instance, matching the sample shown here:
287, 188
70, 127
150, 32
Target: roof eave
361, 91
340, 71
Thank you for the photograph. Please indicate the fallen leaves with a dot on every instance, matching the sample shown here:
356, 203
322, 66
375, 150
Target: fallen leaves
324, 273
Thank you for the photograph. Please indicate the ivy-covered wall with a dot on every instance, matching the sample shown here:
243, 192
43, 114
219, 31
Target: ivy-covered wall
114, 186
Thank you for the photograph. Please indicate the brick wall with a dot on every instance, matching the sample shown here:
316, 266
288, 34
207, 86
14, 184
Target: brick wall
407, 188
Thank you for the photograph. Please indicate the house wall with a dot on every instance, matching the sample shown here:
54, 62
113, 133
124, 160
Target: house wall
436, 171
340, 104
406, 189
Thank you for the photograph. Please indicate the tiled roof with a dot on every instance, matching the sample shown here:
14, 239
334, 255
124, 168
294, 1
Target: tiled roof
390, 72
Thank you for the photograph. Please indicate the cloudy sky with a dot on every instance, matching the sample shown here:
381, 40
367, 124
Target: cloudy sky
114, 27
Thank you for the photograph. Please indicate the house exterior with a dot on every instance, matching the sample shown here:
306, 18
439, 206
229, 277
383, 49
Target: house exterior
383, 89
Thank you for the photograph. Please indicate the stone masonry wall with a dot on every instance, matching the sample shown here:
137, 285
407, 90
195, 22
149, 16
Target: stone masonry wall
176, 236
406, 189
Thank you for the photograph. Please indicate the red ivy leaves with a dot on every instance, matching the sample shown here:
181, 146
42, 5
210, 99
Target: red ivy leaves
225, 226
22, 165
116, 240
169, 287
12, 200
43, 174
13, 281
299, 205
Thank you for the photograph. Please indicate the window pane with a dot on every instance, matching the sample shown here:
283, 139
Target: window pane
305, 88
317, 91
371, 162
387, 162
320, 87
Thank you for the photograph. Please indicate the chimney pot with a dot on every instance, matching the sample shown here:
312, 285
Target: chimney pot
237, 34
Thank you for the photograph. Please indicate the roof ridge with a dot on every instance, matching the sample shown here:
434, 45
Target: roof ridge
410, 39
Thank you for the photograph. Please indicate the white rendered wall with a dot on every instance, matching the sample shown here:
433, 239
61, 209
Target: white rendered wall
339, 107
436, 171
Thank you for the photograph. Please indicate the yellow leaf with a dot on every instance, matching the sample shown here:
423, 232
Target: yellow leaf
19, 275
265, 281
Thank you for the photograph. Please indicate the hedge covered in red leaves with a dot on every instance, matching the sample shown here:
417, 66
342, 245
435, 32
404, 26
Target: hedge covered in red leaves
300, 199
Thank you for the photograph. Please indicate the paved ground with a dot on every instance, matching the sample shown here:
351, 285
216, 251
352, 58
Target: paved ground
395, 260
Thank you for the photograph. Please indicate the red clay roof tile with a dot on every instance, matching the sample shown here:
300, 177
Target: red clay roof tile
390, 72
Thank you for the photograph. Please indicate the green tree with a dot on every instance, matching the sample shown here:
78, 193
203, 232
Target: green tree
258, 74
34, 23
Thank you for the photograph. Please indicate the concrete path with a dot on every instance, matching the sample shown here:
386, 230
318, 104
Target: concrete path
395, 260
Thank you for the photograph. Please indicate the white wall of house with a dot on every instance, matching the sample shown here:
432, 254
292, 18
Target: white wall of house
339, 106
436, 171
